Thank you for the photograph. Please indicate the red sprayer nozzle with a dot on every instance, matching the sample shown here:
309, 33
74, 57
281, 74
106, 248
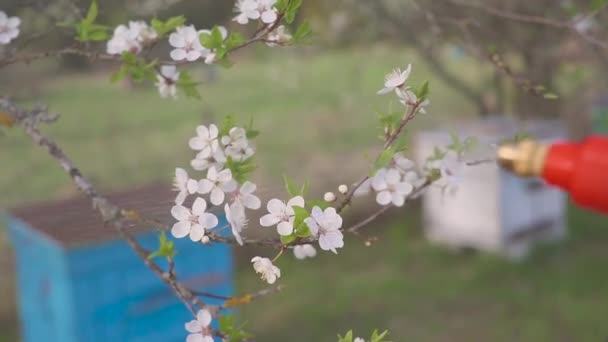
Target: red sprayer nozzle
580, 168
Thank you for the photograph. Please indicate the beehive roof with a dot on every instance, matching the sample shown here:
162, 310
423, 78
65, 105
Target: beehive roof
73, 221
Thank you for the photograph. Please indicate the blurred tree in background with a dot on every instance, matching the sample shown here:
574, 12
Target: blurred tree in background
545, 46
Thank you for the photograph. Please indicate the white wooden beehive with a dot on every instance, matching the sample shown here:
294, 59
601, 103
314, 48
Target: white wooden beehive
493, 210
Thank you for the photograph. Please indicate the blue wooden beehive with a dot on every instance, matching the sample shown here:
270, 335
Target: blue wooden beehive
78, 281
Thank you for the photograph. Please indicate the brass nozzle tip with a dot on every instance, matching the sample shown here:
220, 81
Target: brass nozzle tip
524, 159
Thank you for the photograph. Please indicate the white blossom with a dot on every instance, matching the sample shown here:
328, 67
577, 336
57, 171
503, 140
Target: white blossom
144, 33
217, 183
245, 197
192, 222
206, 140
281, 214
9, 28
390, 188
326, 226
343, 189
124, 39
184, 185
246, 9
254, 10
329, 196
359, 339
239, 153
304, 251
279, 36
269, 272
217, 159
236, 144
451, 168
235, 215
187, 45
199, 327
413, 178
402, 163
408, 98
167, 81
237, 136
395, 80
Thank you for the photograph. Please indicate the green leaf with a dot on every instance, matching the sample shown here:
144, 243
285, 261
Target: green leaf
301, 229
286, 240
92, 13
251, 132
166, 248
164, 27
304, 188
97, 34
383, 160
347, 338
227, 124
379, 337
241, 170
438, 154
302, 32
187, 84
206, 40
292, 10
216, 36
129, 58
290, 186
120, 74
227, 325
423, 92
234, 39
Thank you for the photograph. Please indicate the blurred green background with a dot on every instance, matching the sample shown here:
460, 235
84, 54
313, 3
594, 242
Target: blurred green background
315, 106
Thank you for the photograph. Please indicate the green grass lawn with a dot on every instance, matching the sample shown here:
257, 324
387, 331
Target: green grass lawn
315, 112
423, 293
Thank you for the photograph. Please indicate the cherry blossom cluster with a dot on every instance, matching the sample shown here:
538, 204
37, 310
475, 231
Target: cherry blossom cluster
266, 13
395, 183
219, 185
185, 40
9, 28
132, 38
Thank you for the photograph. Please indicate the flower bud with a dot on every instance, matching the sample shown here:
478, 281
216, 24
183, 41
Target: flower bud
329, 197
205, 239
343, 189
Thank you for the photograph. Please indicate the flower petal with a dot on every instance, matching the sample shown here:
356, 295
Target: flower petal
205, 186
199, 206
217, 196
204, 317
285, 228
194, 326
178, 54
275, 206
180, 229
269, 220
297, 201
180, 213
252, 202
197, 232
208, 220
383, 197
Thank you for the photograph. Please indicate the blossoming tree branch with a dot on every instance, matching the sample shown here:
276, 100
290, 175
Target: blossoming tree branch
219, 181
